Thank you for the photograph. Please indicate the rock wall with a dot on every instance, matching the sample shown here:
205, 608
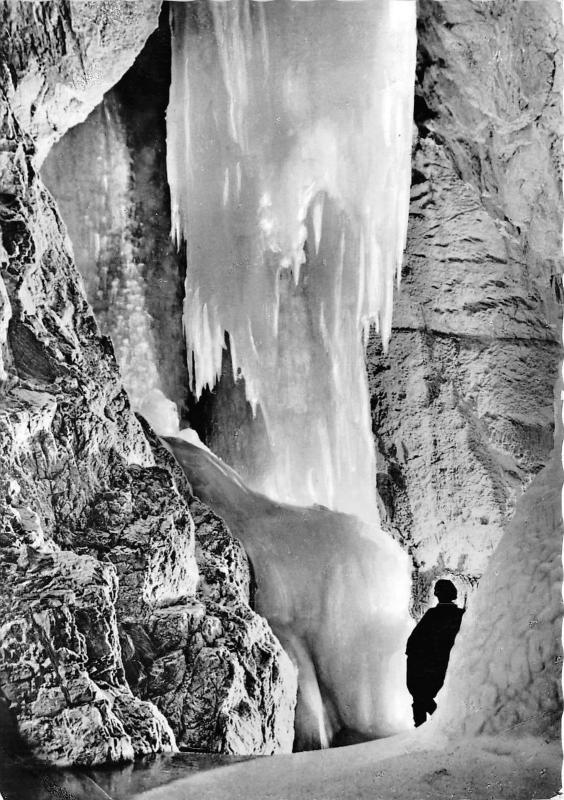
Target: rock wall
61, 57
66, 431
212, 665
97, 539
462, 402
60, 663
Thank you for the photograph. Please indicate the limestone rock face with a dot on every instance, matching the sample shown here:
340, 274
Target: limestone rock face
212, 665
223, 564
66, 433
142, 525
462, 402
64, 56
222, 679
60, 664
96, 534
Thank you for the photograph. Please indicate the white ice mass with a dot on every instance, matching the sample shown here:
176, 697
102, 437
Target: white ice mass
289, 137
335, 592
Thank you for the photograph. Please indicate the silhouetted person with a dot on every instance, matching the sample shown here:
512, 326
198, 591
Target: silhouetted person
428, 650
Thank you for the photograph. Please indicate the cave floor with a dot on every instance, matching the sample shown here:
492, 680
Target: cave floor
21, 778
410, 766
477, 769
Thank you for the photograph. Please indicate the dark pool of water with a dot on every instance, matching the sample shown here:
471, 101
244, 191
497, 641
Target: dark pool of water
122, 783
23, 779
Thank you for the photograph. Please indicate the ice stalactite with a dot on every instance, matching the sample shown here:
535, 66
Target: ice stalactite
289, 133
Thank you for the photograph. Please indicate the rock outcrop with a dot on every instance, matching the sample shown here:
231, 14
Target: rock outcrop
66, 433
60, 663
60, 59
211, 664
462, 402
97, 540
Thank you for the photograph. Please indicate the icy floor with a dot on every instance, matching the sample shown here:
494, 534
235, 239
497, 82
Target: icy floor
411, 766
471, 769
21, 779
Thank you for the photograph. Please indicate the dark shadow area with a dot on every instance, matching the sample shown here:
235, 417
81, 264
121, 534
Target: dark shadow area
224, 421
143, 95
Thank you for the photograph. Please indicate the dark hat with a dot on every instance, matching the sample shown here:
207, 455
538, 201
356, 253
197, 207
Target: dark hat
445, 591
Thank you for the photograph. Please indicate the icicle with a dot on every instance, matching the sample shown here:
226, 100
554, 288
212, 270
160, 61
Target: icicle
289, 163
318, 222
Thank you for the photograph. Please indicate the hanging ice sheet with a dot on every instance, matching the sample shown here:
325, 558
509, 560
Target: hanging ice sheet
289, 133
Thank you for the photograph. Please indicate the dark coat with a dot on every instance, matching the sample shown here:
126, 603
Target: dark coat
428, 648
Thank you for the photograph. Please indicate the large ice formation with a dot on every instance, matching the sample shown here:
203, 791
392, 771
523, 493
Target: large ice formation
505, 675
101, 221
335, 592
289, 133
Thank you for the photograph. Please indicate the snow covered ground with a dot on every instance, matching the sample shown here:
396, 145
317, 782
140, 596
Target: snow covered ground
411, 766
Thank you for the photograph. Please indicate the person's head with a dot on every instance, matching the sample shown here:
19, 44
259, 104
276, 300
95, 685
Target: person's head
445, 591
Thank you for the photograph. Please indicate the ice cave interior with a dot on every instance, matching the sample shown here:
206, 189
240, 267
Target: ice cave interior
280, 336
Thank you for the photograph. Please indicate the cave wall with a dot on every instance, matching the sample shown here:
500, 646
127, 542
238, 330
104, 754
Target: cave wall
462, 403
120, 593
61, 57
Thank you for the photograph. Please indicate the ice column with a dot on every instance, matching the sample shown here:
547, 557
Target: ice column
289, 134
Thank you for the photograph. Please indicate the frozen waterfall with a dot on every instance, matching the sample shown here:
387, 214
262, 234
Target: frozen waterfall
335, 592
289, 133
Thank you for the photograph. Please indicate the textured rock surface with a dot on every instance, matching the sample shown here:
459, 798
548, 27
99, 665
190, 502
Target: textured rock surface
505, 675
95, 536
222, 679
66, 432
215, 669
63, 56
462, 403
69, 449
142, 525
60, 663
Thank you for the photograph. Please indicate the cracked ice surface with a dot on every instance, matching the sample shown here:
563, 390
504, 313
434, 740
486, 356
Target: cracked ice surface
289, 133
